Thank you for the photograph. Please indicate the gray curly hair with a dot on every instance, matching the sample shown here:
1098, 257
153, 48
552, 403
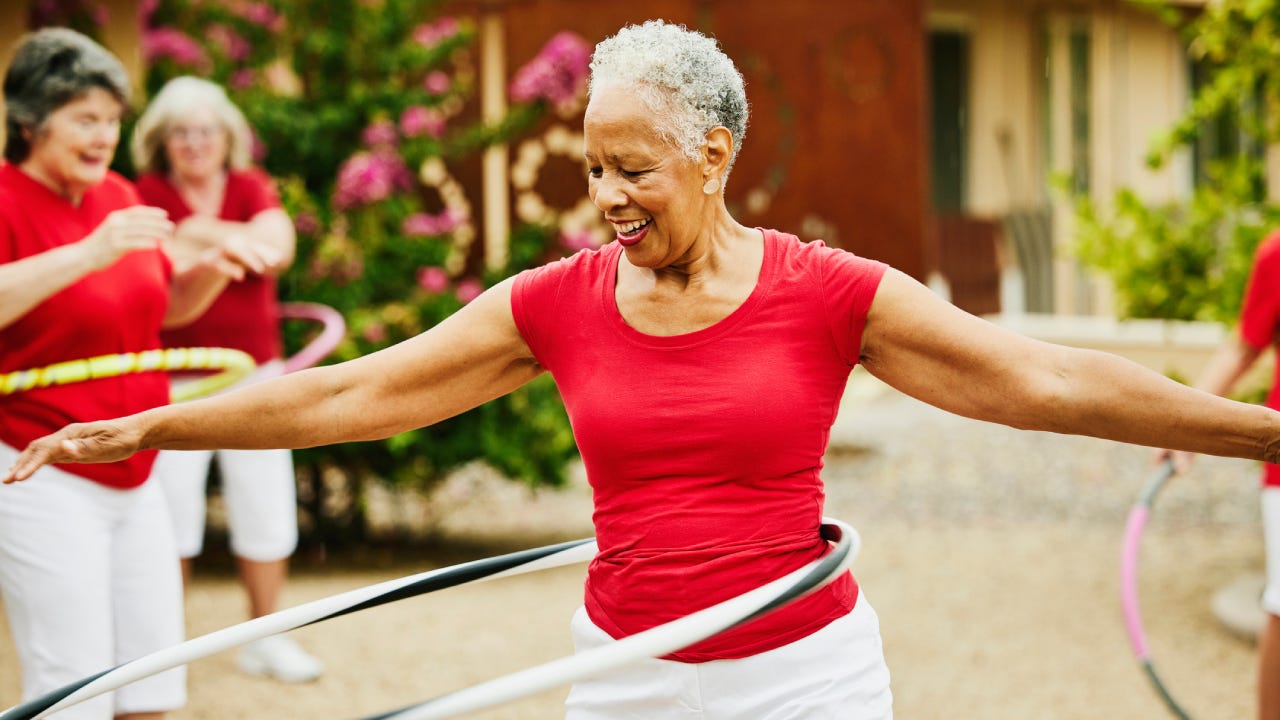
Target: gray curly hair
681, 76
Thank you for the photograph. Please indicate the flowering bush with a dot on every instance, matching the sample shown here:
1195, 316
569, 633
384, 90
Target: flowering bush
362, 111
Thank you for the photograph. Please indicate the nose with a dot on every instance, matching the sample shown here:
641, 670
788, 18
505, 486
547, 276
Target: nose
607, 192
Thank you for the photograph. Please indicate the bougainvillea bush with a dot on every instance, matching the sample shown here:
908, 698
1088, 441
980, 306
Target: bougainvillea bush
364, 111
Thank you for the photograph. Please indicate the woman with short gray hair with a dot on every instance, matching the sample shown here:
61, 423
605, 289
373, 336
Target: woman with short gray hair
88, 570
702, 363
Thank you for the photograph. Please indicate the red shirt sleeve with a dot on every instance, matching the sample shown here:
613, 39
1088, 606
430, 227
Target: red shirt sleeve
1260, 314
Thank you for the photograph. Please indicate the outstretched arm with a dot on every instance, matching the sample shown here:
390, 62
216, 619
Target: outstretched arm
931, 350
472, 357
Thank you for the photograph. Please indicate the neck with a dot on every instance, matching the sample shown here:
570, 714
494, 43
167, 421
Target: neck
73, 192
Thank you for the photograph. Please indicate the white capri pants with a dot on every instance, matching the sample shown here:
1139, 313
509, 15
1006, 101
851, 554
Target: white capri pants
90, 579
837, 673
258, 487
1271, 537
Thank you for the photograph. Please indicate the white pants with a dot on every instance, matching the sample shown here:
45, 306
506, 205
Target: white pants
1271, 537
90, 579
837, 673
258, 487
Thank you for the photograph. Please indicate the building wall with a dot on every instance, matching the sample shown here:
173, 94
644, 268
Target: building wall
1020, 131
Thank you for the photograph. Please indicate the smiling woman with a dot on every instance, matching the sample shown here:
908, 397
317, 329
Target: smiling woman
86, 555
702, 363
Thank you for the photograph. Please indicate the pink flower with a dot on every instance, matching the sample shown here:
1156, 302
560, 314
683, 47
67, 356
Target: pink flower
578, 240
260, 14
380, 133
368, 177
433, 279
420, 225
436, 82
432, 34
165, 42
468, 290
146, 9
418, 120
101, 14
374, 332
231, 43
242, 79
556, 74
306, 223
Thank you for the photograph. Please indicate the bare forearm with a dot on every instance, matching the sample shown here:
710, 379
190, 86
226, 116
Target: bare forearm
305, 409
52, 272
1107, 396
191, 293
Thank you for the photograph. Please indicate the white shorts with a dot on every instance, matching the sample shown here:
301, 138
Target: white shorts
258, 487
837, 673
90, 579
1271, 536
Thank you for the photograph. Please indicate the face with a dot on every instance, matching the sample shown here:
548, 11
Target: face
72, 150
196, 145
647, 188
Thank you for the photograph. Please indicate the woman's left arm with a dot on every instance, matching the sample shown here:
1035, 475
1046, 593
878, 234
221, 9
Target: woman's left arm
195, 286
929, 349
270, 233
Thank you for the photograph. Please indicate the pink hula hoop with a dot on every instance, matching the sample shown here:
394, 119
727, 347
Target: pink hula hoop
333, 328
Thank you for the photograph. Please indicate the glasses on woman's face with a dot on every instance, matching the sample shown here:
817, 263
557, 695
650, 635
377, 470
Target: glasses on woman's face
193, 133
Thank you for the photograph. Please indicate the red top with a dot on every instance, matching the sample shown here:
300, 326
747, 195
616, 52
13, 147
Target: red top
115, 310
704, 450
246, 315
1260, 319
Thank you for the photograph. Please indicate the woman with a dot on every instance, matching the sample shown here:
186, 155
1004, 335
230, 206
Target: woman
1259, 328
191, 147
702, 364
87, 567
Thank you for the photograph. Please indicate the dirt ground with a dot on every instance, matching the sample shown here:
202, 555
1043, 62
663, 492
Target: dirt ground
990, 555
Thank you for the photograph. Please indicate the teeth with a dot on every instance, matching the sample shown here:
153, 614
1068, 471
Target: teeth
631, 226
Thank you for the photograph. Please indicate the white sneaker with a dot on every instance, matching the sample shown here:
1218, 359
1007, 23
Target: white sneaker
278, 656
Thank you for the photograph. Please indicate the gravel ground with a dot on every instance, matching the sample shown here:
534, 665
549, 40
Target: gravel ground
990, 555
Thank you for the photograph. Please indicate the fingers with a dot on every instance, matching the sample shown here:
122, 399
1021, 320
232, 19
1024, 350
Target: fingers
256, 258
127, 230
37, 455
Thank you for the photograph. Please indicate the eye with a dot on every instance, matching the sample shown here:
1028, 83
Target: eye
633, 174
595, 172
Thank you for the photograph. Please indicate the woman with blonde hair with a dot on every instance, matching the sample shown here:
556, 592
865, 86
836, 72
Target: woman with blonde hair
192, 148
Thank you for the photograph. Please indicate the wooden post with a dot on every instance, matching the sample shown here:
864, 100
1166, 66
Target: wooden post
493, 105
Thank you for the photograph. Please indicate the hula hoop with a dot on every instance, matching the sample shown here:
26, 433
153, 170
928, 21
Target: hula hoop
655, 642
234, 365
334, 327
1138, 516
675, 635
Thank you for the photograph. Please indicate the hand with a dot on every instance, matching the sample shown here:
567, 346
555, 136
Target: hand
97, 442
124, 231
236, 256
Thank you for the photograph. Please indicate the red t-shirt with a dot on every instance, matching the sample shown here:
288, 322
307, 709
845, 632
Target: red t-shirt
1260, 319
115, 310
246, 315
704, 450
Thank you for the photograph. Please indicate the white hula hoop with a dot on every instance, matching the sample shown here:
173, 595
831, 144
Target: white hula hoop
655, 642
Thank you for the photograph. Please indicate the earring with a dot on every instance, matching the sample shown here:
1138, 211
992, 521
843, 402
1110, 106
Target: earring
711, 186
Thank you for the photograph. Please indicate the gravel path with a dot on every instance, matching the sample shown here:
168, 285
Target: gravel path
990, 555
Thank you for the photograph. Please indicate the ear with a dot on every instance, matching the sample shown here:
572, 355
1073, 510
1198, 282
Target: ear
716, 152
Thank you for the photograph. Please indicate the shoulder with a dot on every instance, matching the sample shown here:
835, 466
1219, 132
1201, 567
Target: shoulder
253, 187
816, 256
583, 264
1269, 249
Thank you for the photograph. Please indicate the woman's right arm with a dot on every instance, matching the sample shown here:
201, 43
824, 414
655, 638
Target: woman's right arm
474, 356
30, 281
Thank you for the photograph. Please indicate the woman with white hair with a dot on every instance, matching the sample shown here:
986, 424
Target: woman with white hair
192, 149
702, 364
